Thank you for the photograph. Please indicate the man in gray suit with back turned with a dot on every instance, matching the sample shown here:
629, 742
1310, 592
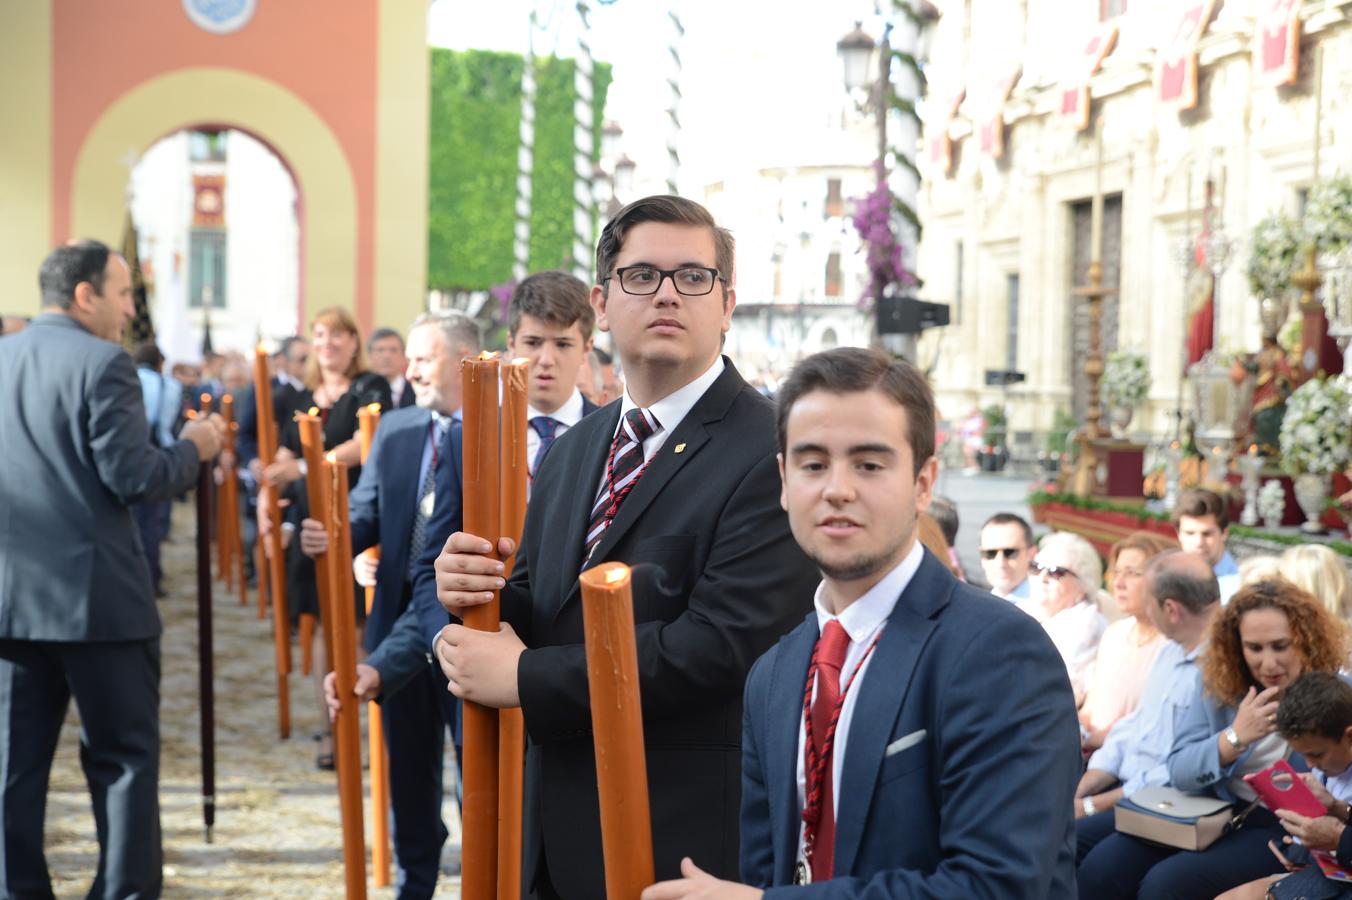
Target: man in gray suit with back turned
77, 611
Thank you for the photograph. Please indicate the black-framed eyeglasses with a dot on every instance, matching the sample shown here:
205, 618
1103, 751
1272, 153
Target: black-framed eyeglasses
689, 281
1006, 552
1057, 572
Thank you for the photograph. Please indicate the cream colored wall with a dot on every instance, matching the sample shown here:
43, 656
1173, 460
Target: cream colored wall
25, 152
1262, 137
165, 104
401, 164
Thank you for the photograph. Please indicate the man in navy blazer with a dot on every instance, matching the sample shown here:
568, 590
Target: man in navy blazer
413, 463
936, 750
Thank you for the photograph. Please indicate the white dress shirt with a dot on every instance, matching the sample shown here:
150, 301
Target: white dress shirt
862, 620
567, 415
669, 411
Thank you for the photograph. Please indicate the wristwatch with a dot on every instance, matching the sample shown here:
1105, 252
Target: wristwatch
1233, 737
1088, 806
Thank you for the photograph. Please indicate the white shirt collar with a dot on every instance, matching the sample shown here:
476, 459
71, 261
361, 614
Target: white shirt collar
567, 415
672, 408
293, 382
397, 386
862, 617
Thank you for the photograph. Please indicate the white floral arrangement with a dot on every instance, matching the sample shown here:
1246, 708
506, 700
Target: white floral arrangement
1328, 215
1126, 378
1271, 501
1316, 432
1273, 250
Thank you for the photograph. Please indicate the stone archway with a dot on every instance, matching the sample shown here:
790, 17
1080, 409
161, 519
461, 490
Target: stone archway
326, 206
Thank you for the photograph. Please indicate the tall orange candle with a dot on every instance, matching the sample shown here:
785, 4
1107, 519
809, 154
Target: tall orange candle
347, 727
236, 527
617, 729
479, 857
511, 724
224, 549
368, 418
317, 491
276, 564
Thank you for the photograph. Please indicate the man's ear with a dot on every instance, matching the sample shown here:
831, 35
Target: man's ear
783, 488
598, 303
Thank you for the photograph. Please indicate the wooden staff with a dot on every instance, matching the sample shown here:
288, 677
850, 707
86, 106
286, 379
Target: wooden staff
261, 578
317, 490
617, 730
347, 730
479, 845
276, 564
368, 418
511, 724
206, 701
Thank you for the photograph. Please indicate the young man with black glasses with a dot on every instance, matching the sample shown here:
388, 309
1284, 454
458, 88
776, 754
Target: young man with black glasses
1007, 550
679, 480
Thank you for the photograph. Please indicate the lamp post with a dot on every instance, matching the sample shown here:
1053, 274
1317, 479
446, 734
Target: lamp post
868, 69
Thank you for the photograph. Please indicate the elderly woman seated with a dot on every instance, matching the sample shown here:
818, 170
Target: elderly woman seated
1065, 576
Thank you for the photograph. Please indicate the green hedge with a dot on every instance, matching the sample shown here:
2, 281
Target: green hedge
475, 122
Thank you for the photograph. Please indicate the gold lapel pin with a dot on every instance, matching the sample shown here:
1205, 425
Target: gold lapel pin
680, 447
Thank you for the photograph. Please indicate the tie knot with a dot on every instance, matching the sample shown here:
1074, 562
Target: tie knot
545, 426
640, 424
833, 645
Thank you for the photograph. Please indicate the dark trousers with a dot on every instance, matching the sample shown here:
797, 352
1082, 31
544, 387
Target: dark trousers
414, 737
116, 686
1092, 831
152, 520
1127, 867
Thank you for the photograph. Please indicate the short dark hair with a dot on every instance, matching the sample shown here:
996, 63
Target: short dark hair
1318, 703
1196, 503
852, 370
68, 266
943, 511
672, 210
1007, 518
1169, 582
380, 334
147, 353
284, 350
555, 297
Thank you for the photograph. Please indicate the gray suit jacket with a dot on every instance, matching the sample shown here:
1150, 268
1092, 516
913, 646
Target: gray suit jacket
75, 452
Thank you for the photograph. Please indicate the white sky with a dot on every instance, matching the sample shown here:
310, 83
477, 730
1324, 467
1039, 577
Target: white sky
756, 75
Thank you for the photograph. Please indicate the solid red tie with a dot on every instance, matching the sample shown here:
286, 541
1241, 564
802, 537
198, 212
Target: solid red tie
831, 649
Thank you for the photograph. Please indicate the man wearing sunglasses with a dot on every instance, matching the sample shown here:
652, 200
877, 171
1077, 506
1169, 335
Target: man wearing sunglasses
1006, 553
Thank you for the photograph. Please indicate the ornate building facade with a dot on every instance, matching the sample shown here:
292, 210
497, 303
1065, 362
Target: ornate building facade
1194, 100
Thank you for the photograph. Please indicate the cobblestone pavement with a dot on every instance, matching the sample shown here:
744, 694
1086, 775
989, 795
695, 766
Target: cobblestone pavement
277, 828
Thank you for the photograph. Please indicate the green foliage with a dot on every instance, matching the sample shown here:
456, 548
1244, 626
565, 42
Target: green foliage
475, 122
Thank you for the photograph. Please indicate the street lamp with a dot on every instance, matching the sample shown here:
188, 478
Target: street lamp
856, 52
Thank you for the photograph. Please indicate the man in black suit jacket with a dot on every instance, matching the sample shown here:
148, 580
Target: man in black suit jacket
389, 359
689, 496
77, 611
914, 737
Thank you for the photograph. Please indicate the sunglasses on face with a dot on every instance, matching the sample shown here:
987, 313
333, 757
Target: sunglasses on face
1057, 572
1006, 552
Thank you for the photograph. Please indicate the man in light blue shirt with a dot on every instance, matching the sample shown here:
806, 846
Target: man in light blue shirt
1203, 525
163, 400
1007, 550
1181, 596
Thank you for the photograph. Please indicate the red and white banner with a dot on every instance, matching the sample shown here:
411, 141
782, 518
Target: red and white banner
1176, 57
940, 144
1276, 46
1075, 87
990, 115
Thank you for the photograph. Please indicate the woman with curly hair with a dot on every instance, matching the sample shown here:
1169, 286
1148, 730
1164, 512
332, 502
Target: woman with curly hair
1270, 633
